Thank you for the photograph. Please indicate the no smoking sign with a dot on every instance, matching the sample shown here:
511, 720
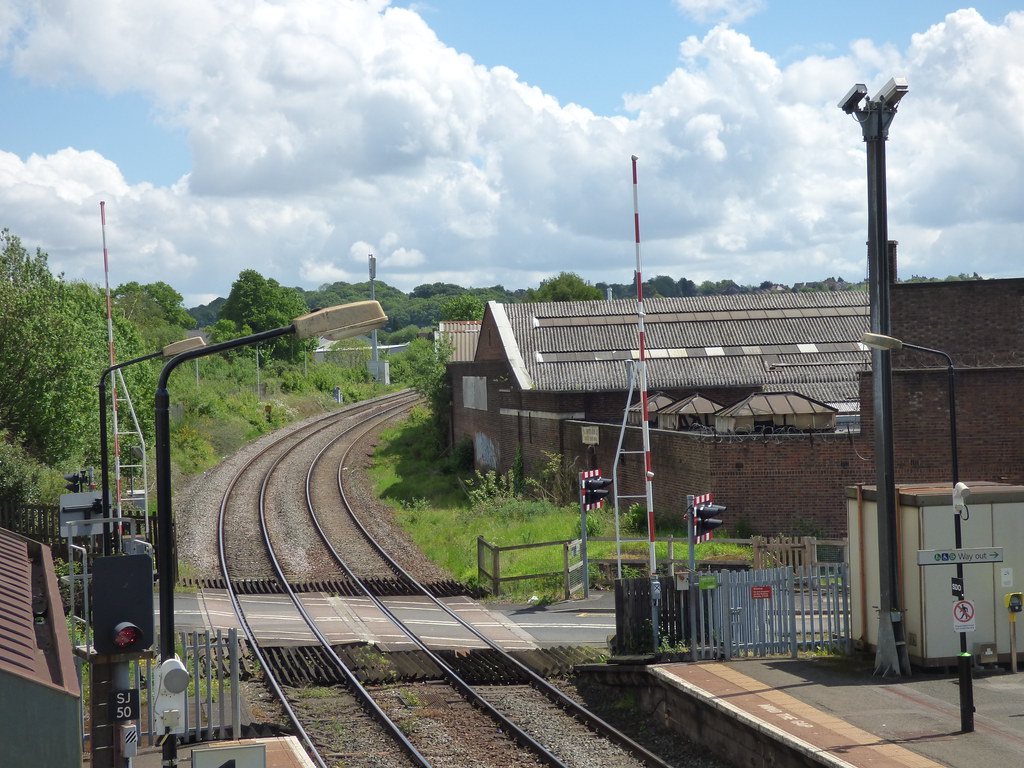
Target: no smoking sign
963, 616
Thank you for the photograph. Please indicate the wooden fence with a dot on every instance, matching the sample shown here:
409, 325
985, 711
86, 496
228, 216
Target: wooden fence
634, 617
800, 552
39, 522
678, 555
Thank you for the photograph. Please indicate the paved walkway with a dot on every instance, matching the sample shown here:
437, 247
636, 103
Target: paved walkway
835, 709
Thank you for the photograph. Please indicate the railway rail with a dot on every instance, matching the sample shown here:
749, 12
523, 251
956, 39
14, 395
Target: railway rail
487, 707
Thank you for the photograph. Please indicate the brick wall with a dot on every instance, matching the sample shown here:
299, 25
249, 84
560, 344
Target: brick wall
980, 324
972, 320
786, 484
990, 425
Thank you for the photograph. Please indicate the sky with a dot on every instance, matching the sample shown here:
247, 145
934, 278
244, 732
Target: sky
490, 143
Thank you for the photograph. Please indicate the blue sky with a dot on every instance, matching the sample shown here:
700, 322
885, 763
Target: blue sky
294, 137
593, 51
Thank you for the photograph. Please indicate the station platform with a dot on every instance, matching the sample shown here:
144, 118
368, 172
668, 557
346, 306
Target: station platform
833, 712
279, 752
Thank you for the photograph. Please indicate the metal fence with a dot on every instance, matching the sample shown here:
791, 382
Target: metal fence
213, 700
769, 612
495, 563
776, 611
213, 704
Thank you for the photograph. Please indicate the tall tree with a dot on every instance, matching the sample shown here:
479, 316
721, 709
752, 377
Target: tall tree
263, 304
156, 310
567, 286
462, 307
53, 347
423, 366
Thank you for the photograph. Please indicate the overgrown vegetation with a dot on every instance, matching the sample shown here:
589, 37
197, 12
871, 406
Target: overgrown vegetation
54, 349
446, 505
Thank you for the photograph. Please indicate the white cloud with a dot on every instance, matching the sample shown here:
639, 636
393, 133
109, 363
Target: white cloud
324, 130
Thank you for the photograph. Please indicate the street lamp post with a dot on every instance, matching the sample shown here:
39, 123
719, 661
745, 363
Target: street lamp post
339, 322
882, 342
168, 351
874, 116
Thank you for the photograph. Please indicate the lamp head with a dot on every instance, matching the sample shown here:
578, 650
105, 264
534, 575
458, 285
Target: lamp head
892, 92
880, 341
341, 322
176, 348
851, 101
173, 676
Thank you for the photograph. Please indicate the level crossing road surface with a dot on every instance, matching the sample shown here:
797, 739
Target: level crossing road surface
357, 620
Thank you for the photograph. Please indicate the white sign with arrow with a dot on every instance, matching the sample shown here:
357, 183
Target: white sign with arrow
962, 556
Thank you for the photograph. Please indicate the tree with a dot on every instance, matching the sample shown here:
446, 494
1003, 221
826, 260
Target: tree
423, 366
53, 346
686, 287
661, 285
155, 309
207, 314
567, 286
264, 305
462, 307
401, 336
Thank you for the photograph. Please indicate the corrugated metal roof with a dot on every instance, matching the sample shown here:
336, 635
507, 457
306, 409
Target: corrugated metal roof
655, 403
34, 642
17, 636
695, 404
463, 335
777, 341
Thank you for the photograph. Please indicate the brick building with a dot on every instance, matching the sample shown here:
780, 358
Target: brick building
543, 372
980, 324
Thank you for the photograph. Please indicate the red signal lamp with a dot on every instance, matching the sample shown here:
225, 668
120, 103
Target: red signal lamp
127, 636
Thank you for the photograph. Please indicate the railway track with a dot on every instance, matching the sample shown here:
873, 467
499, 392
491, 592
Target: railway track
286, 527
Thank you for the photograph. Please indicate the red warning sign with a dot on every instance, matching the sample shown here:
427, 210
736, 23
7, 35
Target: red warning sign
963, 616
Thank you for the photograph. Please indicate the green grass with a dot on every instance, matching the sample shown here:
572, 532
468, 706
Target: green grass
433, 503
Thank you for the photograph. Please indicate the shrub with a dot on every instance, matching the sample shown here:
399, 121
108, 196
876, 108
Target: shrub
20, 475
635, 519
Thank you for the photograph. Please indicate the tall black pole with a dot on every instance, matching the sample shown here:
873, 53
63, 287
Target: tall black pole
166, 559
891, 656
964, 661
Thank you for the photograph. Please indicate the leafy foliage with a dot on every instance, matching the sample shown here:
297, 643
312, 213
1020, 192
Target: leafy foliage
156, 311
20, 475
556, 481
484, 488
262, 304
462, 307
53, 348
566, 286
423, 366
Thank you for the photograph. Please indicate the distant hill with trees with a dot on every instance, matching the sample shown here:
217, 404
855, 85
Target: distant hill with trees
421, 308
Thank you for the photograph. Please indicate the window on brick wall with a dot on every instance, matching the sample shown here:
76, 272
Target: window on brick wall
474, 392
